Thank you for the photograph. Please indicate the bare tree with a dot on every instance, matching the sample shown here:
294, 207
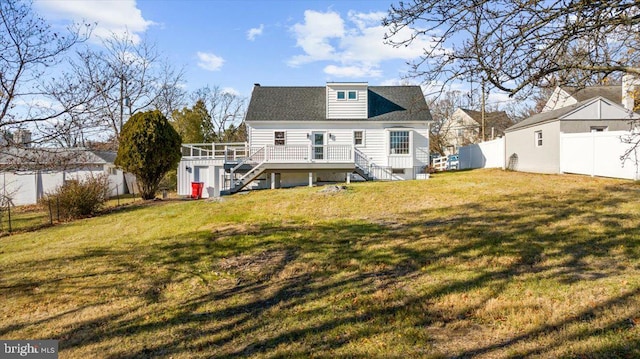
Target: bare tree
28, 47
442, 109
517, 45
113, 82
225, 108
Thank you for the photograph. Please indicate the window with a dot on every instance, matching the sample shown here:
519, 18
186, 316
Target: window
538, 138
599, 128
397, 171
278, 138
399, 142
358, 138
347, 95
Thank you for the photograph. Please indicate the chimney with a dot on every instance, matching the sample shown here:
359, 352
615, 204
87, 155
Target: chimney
630, 87
256, 84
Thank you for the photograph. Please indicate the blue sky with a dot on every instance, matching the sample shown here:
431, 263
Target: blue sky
234, 44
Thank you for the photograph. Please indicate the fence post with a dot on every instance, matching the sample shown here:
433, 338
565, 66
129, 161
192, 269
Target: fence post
50, 212
9, 213
58, 208
118, 195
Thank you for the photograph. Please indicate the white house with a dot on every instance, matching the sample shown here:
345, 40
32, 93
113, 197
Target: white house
27, 174
306, 135
464, 127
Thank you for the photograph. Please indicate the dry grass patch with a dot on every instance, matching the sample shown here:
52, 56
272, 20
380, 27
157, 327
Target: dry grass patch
485, 264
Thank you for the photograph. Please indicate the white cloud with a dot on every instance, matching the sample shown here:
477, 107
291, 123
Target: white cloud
209, 61
355, 44
352, 71
315, 34
113, 17
255, 32
231, 91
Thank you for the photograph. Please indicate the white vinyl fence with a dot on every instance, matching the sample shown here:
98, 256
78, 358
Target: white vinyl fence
598, 154
488, 154
28, 187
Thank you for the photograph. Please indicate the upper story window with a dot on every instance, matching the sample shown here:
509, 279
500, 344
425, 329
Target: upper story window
538, 138
347, 95
399, 142
599, 128
279, 138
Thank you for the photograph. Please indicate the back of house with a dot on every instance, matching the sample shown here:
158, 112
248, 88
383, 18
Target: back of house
338, 132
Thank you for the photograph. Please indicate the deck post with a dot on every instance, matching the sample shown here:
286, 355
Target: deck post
273, 180
216, 181
348, 178
310, 179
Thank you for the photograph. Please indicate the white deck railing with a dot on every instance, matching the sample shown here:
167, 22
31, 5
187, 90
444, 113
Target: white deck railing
303, 153
227, 151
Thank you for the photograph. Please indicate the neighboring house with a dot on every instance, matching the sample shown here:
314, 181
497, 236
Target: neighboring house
27, 174
465, 127
305, 135
622, 94
533, 145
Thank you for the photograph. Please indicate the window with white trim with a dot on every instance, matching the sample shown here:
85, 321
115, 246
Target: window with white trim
341, 95
399, 142
279, 138
352, 95
358, 138
538, 138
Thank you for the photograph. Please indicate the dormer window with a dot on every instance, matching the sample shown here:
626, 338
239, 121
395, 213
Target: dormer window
347, 95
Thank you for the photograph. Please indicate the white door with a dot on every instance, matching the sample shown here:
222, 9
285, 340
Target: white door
200, 173
318, 145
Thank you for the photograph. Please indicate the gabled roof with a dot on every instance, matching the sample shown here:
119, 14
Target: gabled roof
30, 159
498, 119
611, 92
558, 114
386, 103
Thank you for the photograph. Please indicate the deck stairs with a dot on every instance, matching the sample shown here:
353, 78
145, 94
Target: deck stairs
251, 167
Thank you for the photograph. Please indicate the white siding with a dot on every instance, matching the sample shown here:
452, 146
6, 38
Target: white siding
599, 110
376, 138
531, 158
209, 171
347, 109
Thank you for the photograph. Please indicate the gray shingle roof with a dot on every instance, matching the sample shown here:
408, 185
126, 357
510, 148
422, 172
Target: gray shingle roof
386, 103
499, 120
551, 116
613, 92
30, 159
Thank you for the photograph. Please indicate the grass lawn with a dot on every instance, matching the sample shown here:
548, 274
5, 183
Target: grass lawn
485, 264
